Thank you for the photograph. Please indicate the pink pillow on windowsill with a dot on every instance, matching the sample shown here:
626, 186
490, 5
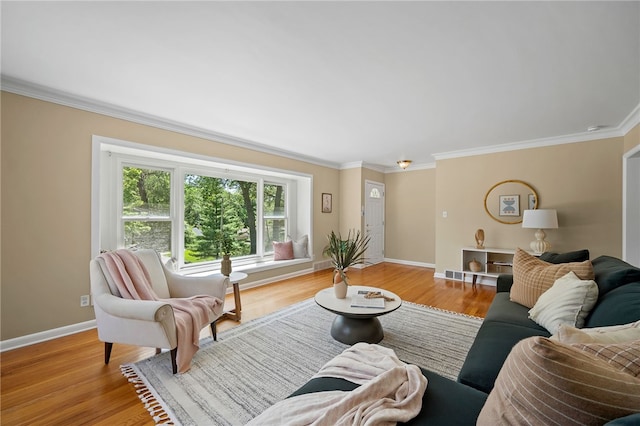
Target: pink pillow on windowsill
282, 251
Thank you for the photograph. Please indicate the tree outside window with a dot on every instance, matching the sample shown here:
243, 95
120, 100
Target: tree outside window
216, 211
146, 207
211, 214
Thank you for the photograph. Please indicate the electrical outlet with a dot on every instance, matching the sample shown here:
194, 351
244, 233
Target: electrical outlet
85, 300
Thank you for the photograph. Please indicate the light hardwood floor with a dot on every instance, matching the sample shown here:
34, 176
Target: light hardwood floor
65, 382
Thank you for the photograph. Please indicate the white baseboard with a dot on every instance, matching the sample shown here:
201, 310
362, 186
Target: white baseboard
273, 279
319, 266
30, 339
410, 263
43, 336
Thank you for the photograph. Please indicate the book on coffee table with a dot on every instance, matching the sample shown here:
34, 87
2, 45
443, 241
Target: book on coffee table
359, 301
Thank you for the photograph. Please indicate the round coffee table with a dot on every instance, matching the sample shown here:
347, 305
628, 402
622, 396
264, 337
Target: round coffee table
353, 325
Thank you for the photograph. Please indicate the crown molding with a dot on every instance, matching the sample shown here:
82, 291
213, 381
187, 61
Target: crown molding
384, 169
352, 165
412, 168
622, 129
534, 143
43, 93
24, 88
632, 120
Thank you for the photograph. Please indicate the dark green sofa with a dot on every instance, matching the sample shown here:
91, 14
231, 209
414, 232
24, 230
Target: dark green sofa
508, 322
448, 402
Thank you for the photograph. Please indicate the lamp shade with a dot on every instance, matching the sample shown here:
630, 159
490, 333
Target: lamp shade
540, 219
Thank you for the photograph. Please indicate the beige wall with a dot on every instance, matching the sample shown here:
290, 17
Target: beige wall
410, 232
46, 196
632, 139
350, 196
46, 201
582, 181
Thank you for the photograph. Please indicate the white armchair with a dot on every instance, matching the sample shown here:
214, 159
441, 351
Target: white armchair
146, 322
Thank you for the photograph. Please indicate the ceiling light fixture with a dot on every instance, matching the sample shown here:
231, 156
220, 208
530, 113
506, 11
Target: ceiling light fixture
593, 128
404, 164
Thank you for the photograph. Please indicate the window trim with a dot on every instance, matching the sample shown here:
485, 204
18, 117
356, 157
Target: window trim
299, 188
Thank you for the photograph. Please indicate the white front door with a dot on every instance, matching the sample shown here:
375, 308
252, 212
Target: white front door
374, 221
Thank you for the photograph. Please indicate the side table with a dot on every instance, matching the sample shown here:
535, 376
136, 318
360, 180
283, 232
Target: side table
235, 313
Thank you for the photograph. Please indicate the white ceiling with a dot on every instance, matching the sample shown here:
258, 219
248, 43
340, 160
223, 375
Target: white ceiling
341, 82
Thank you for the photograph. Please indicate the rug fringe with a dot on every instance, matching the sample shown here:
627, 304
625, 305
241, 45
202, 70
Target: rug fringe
158, 412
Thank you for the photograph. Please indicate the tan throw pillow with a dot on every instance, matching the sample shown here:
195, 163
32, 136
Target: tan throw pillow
613, 334
532, 276
568, 301
622, 356
547, 382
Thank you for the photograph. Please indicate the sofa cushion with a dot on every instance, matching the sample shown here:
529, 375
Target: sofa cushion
543, 380
445, 402
490, 348
322, 384
568, 301
504, 310
630, 420
532, 276
612, 334
624, 356
571, 256
611, 273
505, 281
618, 306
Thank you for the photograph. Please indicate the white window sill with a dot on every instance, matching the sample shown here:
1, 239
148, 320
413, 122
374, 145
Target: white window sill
253, 267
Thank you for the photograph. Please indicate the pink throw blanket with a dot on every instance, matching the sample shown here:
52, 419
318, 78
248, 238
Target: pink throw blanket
191, 314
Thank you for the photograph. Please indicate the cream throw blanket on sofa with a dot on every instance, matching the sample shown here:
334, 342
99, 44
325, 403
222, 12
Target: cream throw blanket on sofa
191, 314
390, 392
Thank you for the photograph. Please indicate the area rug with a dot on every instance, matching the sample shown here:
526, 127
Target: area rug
260, 362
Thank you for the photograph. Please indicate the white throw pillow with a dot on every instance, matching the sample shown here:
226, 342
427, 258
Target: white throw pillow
300, 247
568, 301
612, 334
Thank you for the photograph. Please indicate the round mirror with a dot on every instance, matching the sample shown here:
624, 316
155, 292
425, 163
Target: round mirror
507, 200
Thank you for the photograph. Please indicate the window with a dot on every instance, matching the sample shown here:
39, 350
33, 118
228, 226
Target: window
146, 207
196, 209
274, 217
219, 218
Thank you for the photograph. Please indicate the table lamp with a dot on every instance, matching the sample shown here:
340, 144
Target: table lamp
540, 219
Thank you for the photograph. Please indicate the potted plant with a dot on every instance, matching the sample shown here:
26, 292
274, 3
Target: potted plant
345, 253
225, 246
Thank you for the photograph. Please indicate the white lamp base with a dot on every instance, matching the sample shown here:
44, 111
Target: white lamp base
539, 246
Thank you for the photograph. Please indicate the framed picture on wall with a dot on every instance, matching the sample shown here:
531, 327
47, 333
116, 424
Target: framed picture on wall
326, 202
510, 205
